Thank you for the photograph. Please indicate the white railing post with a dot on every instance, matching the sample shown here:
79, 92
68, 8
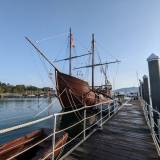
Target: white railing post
145, 112
117, 105
54, 135
101, 116
151, 118
109, 112
114, 106
84, 125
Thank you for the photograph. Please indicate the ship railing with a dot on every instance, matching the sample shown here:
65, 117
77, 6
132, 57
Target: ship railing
152, 117
104, 111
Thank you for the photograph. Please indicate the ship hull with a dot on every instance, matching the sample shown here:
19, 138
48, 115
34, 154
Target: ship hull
74, 93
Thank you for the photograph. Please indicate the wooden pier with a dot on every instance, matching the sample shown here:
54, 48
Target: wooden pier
124, 137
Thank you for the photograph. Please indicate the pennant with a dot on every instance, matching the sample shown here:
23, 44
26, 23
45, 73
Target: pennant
72, 41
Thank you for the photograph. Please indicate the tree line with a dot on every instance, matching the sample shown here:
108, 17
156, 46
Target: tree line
22, 89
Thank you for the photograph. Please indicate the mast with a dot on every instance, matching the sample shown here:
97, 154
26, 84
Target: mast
93, 65
70, 57
105, 74
70, 52
93, 52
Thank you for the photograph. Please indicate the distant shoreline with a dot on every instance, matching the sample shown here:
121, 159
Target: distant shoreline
14, 95
18, 91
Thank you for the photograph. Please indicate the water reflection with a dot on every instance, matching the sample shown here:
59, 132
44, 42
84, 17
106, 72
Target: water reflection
26, 109
17, 111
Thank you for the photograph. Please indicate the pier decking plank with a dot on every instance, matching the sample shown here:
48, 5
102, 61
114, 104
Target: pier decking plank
125, 137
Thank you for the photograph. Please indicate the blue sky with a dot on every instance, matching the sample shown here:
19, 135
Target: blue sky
128, 30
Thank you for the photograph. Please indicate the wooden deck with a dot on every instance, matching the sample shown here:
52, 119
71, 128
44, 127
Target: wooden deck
125, 137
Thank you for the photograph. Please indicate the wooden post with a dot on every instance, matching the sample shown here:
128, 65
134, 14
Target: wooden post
151, 118
109, 114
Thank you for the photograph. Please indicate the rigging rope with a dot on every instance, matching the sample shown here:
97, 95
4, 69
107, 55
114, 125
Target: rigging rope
75, 104
51, 37
46, 70
71, 103
49, 104
116, 74
102, 69
45, 108
101, 46
37, 71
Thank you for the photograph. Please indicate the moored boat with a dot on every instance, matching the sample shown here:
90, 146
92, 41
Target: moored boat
10, 149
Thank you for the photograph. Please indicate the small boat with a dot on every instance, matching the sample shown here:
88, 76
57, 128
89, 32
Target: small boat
20, 144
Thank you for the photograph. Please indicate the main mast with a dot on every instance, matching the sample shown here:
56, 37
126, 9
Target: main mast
105, 73
93, 65
70, 52
93, 52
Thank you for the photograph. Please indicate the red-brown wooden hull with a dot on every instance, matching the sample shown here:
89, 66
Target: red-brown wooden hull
74, 93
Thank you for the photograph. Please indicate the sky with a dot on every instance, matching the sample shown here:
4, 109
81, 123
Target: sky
127, 30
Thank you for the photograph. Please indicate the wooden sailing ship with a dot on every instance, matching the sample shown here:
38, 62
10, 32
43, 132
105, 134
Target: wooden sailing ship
73, 92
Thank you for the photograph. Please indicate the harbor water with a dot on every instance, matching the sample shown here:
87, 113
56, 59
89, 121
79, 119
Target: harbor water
15, 111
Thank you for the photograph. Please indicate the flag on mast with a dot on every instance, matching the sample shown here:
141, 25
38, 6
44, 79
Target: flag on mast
72, 41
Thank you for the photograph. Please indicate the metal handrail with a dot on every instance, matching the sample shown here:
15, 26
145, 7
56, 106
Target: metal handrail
79, 109
93, 115
149, 116
112, 109
2, 131
62, 130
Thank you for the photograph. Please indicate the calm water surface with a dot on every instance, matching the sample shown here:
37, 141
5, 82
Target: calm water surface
18, 111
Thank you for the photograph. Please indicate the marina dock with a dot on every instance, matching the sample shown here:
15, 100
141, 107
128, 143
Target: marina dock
125, 136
